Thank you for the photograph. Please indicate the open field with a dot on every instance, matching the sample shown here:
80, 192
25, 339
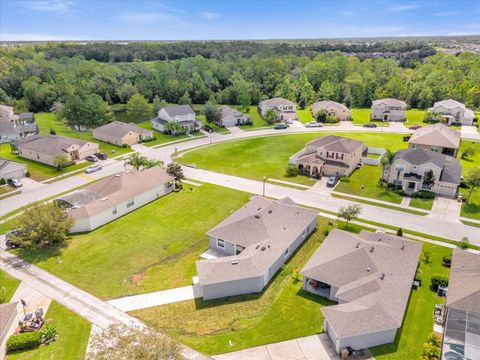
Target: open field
9, 283
71, 344
152, 248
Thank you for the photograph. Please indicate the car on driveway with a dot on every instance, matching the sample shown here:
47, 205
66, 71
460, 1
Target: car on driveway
332, 180
313, 124
415, 127
207, 128
92, 168
101, 156
9, 242
280, 126
91, 158
370, 125
16, 183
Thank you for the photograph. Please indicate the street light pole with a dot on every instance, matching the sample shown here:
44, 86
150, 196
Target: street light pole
264, 178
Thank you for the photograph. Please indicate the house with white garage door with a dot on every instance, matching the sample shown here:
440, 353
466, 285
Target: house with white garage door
11, 169
388, 110
253, 243
453, 112
370, 276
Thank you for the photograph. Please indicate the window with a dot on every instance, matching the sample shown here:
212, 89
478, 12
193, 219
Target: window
286, 252
221, 243
239, 249
130, 203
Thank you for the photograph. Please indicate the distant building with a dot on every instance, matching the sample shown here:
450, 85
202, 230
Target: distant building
120, 133
11, 169
340, 111
453, 111
115, 196
370, 276
388, 110
180, 114
14, 127
285, 109
409, 167
329, 155
230, 117
44, 148
256, 240
438, 138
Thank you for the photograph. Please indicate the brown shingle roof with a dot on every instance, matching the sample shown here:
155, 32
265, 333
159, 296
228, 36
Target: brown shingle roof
373, 273
336, 143
436, 135
6, 312
330, 106
277, 101
49, 144
390, 102
120, 129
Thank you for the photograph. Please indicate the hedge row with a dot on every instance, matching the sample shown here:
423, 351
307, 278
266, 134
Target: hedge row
23, 341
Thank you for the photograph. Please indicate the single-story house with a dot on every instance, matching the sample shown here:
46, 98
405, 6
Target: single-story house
11, 169
255, 240
115, 196
8, 314
180, 114
45, 148
461, 331
285, 109
409, 167
340, 111
232, 117
438, 138
120, 133
453, 111
388, 110
370, 276
329, 155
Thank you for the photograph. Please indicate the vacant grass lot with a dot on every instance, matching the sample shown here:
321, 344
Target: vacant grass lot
415, 116
8, 283
71, 344
152, 248
305, 115
418, 322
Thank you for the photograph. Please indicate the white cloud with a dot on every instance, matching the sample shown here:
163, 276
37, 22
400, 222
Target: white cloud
55, 6
447, 13
402, 7
136, 17
6, 36
209, 15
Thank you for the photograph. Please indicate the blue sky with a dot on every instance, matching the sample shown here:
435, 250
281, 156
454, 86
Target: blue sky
232, 19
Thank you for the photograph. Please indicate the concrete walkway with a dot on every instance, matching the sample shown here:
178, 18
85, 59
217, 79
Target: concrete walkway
135, 302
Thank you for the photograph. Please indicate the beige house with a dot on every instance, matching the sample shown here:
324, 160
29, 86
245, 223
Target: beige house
409, 167
388, 110
286, 109
253, 242
44, 148
370, 277
340, 111
231, 117
120, 133
438, 138
115, 196
329, 155
453, 111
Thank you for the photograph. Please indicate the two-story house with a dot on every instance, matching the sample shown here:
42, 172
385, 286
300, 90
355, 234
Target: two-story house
388, 110
452, 111
180, 114
14, 127
330, 155
438, 138
340, 111
410, 166
285, 109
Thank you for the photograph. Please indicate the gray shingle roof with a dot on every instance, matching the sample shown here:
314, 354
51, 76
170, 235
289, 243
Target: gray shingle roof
330, 105
436, 135
373, 273
451, 168
5, 162
179, 110
49, 144
120, 129
6, 313
390, 102
336, 143
464, 282
449, 104
265, 228
277, 101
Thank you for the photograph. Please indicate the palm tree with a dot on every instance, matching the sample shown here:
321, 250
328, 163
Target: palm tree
173, 128
136, 160
151, 163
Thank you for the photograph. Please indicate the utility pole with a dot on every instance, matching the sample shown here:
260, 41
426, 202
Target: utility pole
264, 178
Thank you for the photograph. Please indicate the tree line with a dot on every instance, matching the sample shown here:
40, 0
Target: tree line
32, 79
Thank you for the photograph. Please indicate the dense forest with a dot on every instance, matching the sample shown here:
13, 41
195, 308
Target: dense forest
42, 77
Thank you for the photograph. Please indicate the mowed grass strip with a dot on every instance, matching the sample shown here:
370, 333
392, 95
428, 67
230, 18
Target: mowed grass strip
152, 248
72, 340
8, 284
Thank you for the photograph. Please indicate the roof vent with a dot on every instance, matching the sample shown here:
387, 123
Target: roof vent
105, 198
382, 276
256, 247
117, 175
371, 249
358, 245
257, 216
269, 211
234, 262
263, 248
368, 268
259, 209
379, 239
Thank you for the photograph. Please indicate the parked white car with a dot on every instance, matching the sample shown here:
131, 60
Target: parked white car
313, 124
92, 168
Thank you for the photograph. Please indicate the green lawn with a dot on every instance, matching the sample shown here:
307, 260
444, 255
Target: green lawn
418, 322
305, 115
472, 210
364, 182
9, 283
252, 112
152, 248
421, 203
163, 138
362, 116
215, 127
71, 344
415, 116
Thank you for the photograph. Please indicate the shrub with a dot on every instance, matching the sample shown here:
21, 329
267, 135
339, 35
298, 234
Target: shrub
27, 174
326, 231
53, 132
447, 260
49, 333
438, 280
3, 181
431, 348
406, 138
424, 194
344, 179
418, 275
24, 341
291, 170
464, 244
399, 232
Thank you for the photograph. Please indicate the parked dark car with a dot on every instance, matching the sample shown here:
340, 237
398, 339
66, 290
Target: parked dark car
9, 242
16, 183
370, 125
91, 158
280, 126
207, 128
101, 156
415, 127
332, 180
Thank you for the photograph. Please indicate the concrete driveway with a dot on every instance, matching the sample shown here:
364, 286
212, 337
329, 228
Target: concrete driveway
445, 209
470, 132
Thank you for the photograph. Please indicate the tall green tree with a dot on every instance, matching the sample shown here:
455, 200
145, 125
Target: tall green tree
212, 112
138, 108
83, 113
472, 180
349, 213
